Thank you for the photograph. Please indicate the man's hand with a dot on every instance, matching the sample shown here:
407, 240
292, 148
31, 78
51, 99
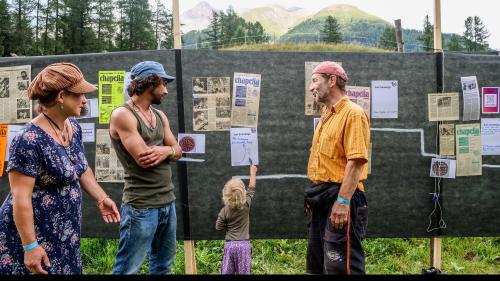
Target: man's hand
153, 156
33, 260
339, 215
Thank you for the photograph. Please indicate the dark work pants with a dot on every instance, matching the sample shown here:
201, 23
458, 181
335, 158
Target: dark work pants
327, 246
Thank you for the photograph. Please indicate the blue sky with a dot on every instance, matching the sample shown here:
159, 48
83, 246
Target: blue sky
411, 13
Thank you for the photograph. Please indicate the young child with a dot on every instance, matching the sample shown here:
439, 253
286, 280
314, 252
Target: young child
234, 220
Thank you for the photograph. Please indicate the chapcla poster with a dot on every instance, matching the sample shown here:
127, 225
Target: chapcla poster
111, 87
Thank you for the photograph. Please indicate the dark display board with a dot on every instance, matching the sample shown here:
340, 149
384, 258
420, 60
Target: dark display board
398, 187
471, 203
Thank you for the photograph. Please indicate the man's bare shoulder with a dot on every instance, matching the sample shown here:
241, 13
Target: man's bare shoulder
122, 116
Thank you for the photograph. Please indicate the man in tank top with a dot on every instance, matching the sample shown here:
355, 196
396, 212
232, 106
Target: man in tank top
145, 146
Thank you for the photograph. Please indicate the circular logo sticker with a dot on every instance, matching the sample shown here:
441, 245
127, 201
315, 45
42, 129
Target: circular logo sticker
440, 168
187, 143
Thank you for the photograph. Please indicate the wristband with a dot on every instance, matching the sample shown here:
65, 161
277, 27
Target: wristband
30, 246
342, 200
102, 200
172, 155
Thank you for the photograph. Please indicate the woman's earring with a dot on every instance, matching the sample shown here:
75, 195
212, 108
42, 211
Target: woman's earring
62, 107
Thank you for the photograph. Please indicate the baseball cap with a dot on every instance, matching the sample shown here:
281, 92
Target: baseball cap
148, 68
330, 67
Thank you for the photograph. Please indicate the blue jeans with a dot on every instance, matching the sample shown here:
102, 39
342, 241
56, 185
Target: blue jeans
150, 230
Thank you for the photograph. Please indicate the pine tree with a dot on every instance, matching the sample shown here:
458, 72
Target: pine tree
331, 31
427, 37
388, 39
22, 34
5, 31
455, 43
213, 30
163, 26
475, 35
104, 24
78, 34
122, 41
141, 35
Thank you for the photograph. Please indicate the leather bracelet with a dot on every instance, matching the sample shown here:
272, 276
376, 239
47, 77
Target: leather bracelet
343, 201
31, 246
172, 154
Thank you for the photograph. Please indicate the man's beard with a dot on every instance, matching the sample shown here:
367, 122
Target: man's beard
156, 98
84, 110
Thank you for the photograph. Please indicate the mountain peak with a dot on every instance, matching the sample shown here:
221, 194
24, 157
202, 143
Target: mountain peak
201, 10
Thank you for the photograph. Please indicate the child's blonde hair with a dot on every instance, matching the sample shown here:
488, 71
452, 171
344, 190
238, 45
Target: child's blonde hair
234, 193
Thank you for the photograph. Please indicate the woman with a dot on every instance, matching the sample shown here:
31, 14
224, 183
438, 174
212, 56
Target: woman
41, 217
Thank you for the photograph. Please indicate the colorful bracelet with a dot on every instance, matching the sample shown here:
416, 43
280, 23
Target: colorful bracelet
30, 246
342, 200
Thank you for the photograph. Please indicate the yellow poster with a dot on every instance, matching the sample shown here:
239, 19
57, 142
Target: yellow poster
110, 93
3, 144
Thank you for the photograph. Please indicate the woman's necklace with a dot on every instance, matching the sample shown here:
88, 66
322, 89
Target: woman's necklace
150, 120
63, 138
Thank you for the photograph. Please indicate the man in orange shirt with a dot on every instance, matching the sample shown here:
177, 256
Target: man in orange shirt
337, 168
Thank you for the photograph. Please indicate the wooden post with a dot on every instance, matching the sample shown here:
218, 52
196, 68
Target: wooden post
438, 44
399, 36
438, 48
189, 257
436, 252
177, 26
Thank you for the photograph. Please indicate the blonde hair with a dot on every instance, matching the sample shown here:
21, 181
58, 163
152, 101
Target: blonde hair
234, 194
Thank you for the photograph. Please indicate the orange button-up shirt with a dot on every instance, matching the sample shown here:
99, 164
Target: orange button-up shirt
342, 134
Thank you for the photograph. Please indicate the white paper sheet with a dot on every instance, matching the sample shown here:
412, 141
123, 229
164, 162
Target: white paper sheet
490, 136
244, 146
88, 132
13, 130
385, 99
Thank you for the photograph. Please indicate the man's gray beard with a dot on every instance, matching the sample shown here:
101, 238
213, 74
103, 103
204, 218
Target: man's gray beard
84, 111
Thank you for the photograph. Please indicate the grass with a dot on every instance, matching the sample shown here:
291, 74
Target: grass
469, 255
313, 47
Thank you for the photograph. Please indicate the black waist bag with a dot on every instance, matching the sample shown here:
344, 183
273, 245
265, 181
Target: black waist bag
320, 196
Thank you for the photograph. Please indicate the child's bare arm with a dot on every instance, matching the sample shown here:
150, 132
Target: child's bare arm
253, 176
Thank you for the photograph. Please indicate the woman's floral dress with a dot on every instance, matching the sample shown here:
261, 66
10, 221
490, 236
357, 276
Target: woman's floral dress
57, 200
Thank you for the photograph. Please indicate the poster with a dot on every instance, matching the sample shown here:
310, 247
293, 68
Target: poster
4, 128
111, 84
490, 136
490, 97
15, 106
192, 143
447, 139
443, 168
385, 99
244, 147
12, 132
470, 90
107, 166
211, 103
360, 96
88, 132
246, 97
468, 143
443, 106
